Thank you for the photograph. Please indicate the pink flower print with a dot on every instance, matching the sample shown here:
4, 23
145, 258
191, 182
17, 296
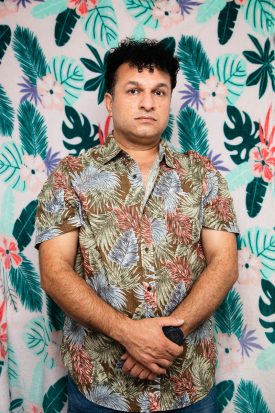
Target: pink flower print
35, 409
8, 7
51, 92
213, 94
249, 267
9, 253
34, 172
240, 2
167, 12
3, 333
154, 401
229, 351
263, 162
81, 7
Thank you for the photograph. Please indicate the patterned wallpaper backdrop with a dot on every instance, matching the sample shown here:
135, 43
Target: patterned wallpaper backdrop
52, 55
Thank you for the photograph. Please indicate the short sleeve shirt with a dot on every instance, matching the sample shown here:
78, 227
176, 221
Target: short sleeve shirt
141, 251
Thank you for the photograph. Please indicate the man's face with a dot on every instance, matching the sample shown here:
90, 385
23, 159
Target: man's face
140, 104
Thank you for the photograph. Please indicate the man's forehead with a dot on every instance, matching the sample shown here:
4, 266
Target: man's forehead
128, 73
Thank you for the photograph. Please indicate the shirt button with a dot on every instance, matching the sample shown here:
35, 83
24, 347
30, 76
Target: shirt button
134, 176
146, 249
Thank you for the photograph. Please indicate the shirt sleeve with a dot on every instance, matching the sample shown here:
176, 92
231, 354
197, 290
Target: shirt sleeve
59, 208
217, 204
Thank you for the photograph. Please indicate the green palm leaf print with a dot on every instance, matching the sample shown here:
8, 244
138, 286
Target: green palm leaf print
260, 15
12, 365
69, 74
56, 396
55, 314
231, 71
208, 9
5, 39
255, 192
10, 164
194, 62
65, 23
49, 8
192, 131
142, 11
32, 130
7, 113
24, 225
29, 54
225, 390
261, 242
249, 399
229, 316
227, 19
25, 282
101, 24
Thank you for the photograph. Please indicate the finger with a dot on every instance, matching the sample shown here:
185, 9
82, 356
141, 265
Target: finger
124, 356
171, 321
165, 363
145, 374
136, 370
151, 377
128, 365
156, 369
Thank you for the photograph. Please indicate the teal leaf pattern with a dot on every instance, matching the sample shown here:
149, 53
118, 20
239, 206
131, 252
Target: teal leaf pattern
65, 23
10, 164
56, 396
80, 130
242, 128
32, 129
225, 390
260, 15
231, 71
227, 19
36, 336
169, 43
267, 309
229, 316
24, 225
208, 9
70, 75
55, 314
192, 131
29, 54
101, 25
125, 251
142, 11
12, 365
15, 404
239, 176
26, 284
194, 62
255, 192
7, 114
266, 359
5, 39
249, 399
262, 244
168, 132
49, 8
6, 212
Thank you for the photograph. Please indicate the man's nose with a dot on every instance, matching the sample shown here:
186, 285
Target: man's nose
146, 101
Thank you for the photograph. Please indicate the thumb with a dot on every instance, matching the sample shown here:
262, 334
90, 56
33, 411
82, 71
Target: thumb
171, 321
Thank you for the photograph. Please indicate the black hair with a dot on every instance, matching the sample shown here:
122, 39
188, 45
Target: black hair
143, 54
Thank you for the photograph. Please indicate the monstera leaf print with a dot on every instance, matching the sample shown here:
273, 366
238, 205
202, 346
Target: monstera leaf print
242, 128
7, 114
10, 163
249, 398
231, 71
267, 309
142, 11
260, 15
192, 131
101, 25
225, 390
65, 23
49, 8
194, 62
227, 19
81, 129
229, 316
29, 54
56, 396
32, 130
5, 39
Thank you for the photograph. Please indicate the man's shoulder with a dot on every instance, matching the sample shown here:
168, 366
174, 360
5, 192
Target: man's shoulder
190, 158
71, 163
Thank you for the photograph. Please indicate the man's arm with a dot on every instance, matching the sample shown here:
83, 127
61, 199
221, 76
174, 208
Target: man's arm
143, 339
208, 291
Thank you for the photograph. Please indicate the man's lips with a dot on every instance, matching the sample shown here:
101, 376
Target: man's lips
145, 118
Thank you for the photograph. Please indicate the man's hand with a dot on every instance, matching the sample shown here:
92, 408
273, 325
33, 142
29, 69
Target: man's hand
145, 342
135, 369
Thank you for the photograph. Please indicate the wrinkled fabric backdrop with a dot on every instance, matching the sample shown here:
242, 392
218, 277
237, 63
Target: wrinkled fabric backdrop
52, 56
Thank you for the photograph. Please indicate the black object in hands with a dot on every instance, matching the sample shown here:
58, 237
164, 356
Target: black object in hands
174, 334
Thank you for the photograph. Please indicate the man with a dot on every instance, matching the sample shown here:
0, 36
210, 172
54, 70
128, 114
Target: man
137, 246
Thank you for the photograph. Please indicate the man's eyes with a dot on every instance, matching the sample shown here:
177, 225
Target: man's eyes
134, 91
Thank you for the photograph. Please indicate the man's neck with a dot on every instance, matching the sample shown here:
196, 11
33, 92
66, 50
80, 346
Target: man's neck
141, 153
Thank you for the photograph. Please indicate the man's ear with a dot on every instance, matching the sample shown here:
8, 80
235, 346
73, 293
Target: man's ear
108, 100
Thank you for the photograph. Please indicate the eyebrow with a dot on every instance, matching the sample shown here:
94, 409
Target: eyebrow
134, 83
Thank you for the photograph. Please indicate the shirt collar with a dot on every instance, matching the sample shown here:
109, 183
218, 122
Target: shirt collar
111, 149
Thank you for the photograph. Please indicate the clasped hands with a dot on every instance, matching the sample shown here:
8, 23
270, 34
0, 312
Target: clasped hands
148, 352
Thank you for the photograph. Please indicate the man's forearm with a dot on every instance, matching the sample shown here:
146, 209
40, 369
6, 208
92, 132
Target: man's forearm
207, 293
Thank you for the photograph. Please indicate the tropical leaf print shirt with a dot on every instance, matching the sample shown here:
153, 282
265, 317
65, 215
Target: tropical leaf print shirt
140, 250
